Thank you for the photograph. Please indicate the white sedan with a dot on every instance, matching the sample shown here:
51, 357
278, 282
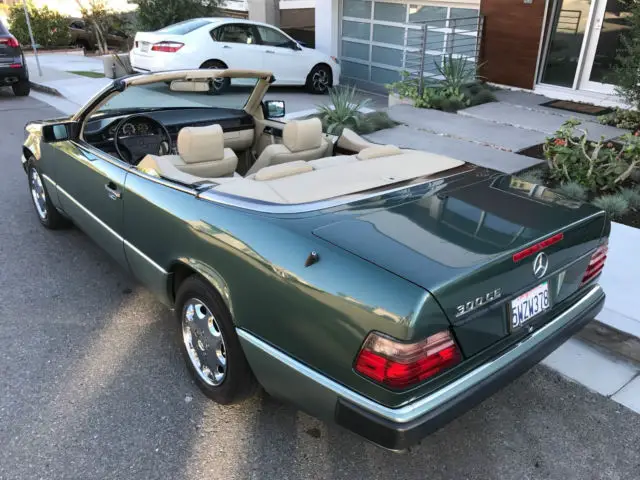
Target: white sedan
237, 44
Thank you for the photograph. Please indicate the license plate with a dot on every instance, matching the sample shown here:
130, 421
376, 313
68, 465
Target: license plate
144, 47
528, 305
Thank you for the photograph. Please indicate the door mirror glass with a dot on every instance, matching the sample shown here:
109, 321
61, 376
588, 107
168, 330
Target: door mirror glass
59, 132
274, 109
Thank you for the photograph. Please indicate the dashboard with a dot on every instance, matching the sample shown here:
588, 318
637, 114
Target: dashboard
100, 132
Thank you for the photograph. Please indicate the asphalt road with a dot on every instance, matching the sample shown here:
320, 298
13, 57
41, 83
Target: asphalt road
92, 386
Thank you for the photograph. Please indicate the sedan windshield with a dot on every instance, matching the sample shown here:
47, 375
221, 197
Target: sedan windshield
159, 96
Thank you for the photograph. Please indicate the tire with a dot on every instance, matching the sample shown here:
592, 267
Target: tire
210, 345
320, 79
47, 213
22, 88
217, 87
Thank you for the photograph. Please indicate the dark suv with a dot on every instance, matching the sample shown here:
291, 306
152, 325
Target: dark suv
13, 68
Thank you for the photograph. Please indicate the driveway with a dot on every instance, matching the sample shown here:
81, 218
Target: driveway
92, 386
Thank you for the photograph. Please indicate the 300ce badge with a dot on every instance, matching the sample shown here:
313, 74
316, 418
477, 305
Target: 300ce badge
471, 305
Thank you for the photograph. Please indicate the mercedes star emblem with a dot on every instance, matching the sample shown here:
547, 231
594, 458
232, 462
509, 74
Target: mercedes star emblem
540, 265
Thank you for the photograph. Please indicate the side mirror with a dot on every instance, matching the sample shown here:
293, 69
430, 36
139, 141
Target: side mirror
273, 108
295, 45
301, 43
60, 132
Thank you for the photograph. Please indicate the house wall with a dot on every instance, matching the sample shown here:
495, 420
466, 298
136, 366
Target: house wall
511, 41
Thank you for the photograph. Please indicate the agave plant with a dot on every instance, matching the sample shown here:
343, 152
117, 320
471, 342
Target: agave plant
344, 111
456, 73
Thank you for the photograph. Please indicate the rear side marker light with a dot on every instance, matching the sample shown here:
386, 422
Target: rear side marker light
527, 252
596, 264
10, 42
15, 65
401, 365
169, 47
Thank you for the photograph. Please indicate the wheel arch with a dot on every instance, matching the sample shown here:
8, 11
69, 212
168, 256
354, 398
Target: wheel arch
321, 64
213, 60
184, 267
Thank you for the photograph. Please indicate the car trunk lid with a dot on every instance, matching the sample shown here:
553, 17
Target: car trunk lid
144, 41
459, 244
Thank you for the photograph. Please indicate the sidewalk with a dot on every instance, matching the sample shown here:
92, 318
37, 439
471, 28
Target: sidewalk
72, 90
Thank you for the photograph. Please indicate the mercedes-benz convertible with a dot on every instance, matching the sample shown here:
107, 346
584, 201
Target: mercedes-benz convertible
385, 289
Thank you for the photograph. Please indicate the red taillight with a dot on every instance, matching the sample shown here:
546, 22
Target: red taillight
170, 47
596, 264
15, 65
10, 42
527, 252
401, 365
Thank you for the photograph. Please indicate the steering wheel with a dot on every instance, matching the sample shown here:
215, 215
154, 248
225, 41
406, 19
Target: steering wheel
133, 148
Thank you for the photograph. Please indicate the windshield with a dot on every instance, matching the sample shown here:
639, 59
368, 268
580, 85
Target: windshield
159, 96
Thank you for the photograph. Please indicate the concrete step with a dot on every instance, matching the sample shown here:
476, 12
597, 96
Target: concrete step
479, 131
535, 119
407, 137
534, 101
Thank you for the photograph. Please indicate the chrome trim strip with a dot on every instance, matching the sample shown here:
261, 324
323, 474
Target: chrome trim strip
426, 404
85, 210
107, 227
267, 207
145, 257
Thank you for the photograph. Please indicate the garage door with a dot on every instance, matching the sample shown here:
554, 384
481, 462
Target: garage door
375, 36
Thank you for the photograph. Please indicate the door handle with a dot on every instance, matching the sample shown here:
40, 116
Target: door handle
270, 51
226, 46
113, 191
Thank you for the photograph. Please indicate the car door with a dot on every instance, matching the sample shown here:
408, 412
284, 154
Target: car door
282, 56
236, 45
90, 190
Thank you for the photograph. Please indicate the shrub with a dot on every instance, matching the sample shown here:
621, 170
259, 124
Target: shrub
375, 121
632, 196
594, 165
533, 176
344, 110
482, 96
50, 29
629, 119
625, 72
573, 190
615, 205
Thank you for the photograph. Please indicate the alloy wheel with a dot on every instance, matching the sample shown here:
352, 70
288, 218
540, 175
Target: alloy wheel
38, 194
204, 342
320, 80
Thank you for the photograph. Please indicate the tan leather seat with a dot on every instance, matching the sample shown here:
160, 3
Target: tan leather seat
201, 153
301, 140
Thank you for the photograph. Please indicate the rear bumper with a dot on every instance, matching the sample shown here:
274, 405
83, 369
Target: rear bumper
9, 76
399, 428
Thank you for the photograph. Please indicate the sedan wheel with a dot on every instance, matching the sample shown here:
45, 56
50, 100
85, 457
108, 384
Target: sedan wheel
38, 194
209, 343
319, 80
204, 342
48, 215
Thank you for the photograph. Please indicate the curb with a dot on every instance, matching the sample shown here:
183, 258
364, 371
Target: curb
618, 343
39, 87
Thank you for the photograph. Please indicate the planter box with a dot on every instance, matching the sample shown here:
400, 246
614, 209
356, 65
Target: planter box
395, 99
113, 68
621, 280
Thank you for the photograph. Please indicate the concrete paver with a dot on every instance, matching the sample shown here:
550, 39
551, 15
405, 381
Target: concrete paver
588, 366
629, 395
407, 137
482, 132
536, 120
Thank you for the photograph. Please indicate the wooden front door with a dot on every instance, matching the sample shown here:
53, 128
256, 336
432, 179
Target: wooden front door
511, 42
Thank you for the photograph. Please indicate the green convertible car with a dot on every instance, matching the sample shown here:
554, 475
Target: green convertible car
387, 290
